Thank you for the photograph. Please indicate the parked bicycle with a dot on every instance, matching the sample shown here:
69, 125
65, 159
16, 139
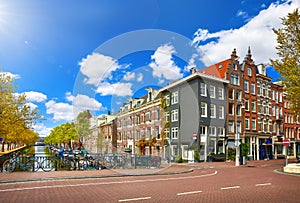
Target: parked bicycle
45, 163
18, 161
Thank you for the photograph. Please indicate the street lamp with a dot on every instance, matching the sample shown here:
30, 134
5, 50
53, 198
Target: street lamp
237, 135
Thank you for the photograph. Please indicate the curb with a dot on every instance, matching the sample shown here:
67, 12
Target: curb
105, 176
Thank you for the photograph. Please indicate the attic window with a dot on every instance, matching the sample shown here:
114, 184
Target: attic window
220, 66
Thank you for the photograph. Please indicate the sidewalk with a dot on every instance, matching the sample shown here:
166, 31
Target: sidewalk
174, 168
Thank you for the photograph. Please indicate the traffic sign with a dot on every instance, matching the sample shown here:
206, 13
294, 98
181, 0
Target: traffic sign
194, 135
286, 142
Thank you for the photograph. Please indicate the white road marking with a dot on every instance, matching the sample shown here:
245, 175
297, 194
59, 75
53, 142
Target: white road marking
263, 184
189, 193
134, 199
107, 183
228, 188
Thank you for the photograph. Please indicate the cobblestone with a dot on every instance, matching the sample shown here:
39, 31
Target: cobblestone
165, 169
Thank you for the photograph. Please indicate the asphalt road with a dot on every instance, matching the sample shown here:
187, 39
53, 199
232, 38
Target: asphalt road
204, 184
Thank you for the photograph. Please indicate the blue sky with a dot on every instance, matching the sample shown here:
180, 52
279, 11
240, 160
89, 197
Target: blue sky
68, 56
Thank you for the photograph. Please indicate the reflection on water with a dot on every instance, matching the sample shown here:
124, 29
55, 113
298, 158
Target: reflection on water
39, 150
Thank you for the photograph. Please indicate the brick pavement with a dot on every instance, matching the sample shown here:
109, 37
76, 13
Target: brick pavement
166, 169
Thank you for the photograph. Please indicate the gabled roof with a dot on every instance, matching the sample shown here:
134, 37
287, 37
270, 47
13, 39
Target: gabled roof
218, 70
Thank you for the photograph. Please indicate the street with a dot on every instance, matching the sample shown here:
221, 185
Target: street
204, 184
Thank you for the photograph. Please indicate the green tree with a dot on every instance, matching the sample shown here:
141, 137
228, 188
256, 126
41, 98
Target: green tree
62, 134
288, 50
16, 117
83, 125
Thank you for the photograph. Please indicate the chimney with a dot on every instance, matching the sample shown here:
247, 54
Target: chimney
193, 70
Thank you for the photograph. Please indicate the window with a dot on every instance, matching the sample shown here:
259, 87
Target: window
137, 119
231, 94
221, 131
246, 104
212, 91
203, 109
247, 123
167, 116
234, 79
174, 133
253, 88
158, 114
239, 110
230, 126
212, 110
175, 98
246, 86
234, 67
249, 72
239, 95
137, 135
212, 130
253, 106
253, 123
174, 115
221, 112
167, 132
202, 130
203, 89
167, 97
221, 93
231, 109
238, 127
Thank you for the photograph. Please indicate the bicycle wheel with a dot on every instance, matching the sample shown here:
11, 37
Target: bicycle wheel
48, 165
29, 166
83, 164
7, 166
68, 165
36, 166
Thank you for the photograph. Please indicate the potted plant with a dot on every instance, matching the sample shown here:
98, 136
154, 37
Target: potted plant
244, 151
196, 156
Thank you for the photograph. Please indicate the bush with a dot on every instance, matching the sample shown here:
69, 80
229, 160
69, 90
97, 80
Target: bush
196, 155
244, 149
178, 159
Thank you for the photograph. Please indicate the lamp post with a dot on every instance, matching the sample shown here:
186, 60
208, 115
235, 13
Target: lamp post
237, 135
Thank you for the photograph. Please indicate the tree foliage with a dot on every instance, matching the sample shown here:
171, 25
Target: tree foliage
82, 124
288, 50
63, 133
16, 117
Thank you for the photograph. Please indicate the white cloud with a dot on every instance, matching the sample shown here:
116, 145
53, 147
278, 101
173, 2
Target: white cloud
162, 65
68, 112
69, 97
242, 14
129, 76
12, 75
35, 96
83, 102
257, 33
32, 106
97, 67
118, 89
60, 111
191, 63
42, 130
139, 77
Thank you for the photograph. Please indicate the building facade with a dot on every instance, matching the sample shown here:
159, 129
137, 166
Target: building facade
194, 115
